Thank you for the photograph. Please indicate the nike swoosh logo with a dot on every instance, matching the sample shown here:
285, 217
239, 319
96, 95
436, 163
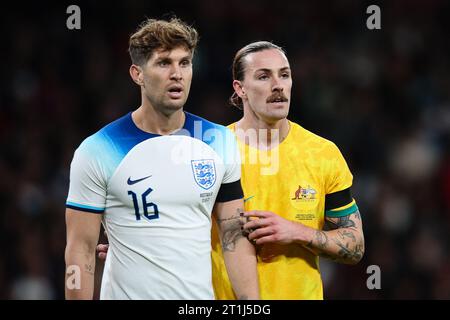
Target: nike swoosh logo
131, 182
245, 200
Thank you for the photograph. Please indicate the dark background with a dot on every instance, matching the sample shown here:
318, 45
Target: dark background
381, 95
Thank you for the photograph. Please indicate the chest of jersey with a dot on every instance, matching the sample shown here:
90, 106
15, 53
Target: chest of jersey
286, 183
169, 179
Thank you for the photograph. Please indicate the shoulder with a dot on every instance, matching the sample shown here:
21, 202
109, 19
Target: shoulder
218, 137
207, 131
305, 134
108, 146
193, 121
105, 137
312, 141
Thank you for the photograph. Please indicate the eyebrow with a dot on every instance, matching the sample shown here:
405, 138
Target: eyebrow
270, 70
188, 57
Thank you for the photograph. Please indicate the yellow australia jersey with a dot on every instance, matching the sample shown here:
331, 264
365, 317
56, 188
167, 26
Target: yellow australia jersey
293, 180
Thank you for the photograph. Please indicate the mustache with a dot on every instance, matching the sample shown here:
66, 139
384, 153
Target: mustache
278, 95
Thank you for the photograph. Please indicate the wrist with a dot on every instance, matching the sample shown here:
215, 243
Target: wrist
303, 234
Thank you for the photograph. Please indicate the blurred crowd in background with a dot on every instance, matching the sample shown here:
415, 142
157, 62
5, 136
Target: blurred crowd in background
383, 96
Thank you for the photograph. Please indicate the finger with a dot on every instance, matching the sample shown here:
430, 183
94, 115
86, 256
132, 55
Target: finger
257, 213
260, 233
264, 240
256, 223
102, 255
102, 247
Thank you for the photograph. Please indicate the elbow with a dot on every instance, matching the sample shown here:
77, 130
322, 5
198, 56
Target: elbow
83, 249
355, 260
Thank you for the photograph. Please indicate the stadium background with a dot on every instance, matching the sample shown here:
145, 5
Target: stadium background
382, 96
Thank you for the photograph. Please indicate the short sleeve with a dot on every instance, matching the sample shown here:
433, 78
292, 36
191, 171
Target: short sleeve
339, 176
87, 188
338, 199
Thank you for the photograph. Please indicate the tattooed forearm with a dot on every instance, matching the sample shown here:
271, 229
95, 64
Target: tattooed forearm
346, 234
321, 239
343, 241
319, 242
345, 254
231, 232
349, 254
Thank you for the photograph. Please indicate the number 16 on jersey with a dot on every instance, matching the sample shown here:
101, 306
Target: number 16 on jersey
149, 214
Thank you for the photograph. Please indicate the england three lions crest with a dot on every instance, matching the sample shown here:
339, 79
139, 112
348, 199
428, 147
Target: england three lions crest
204, 172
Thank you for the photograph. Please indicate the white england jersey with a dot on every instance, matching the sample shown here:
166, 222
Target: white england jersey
156, 194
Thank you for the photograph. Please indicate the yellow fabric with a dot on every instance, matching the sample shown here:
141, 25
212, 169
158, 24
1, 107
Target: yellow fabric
309, 167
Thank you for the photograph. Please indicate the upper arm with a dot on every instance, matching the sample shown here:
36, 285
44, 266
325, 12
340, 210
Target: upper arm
83, 230
88, 178
228, 217
341, 211
229, 202
227, 212
86, 198
228, 209
352, 220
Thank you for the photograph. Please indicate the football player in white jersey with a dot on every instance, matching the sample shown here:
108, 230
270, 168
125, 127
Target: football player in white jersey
154, 178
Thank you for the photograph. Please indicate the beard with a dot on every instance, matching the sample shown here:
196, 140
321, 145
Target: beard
166, 105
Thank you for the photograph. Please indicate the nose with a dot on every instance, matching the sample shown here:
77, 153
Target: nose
175, 73
276, 85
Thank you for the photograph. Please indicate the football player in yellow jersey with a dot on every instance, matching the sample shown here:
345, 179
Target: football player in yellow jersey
296, 185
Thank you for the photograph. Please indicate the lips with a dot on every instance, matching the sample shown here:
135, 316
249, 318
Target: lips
175, 91
280, 100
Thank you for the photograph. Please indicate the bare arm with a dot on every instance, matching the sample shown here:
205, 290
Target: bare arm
239, 254
342, 240
83, 230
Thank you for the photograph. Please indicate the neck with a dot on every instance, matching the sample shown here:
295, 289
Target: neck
151, 120
268, 134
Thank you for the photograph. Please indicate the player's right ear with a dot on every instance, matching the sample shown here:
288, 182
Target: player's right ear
137, 75
239, 89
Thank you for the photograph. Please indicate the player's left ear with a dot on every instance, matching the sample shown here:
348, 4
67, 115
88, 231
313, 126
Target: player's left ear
239, 89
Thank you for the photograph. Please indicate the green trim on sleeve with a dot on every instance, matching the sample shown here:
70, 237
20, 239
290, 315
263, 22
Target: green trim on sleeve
341, 213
